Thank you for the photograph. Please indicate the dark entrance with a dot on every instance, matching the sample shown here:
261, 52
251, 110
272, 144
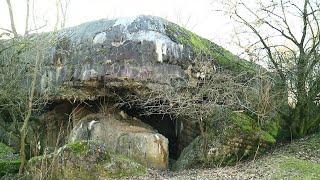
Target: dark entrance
164, 124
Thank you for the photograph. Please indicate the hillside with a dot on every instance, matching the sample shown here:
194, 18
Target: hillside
299, 159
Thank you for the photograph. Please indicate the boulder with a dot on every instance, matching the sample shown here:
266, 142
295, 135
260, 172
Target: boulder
124, 135
237, 137
82, 160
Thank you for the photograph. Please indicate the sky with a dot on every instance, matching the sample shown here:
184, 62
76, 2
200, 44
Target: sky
199, 16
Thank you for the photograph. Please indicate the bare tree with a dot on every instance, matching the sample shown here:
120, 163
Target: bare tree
26, 31
61, 13
64, 10
24, 128
287, 37
13, 27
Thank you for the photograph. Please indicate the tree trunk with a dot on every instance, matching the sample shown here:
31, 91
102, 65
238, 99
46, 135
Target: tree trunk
13, 27
300, 114
24, 129
26, 31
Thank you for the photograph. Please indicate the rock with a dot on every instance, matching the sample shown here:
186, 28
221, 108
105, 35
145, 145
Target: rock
129, 137
82, 160
237, 137
9, 160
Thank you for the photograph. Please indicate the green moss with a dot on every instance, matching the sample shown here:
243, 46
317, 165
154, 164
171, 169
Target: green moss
79, 147
267, 137
124, 166
9, 166
35, 159
5, 150
9, 162
249, 126
84, 160
244, 122
273, 128
202, 46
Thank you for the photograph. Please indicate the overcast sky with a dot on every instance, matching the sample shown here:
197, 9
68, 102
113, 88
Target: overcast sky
198, 16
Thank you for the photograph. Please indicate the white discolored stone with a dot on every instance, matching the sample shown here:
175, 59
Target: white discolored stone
100, 38
124, 135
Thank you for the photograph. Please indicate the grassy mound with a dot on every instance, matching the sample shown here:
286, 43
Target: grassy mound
238, 137
297, 160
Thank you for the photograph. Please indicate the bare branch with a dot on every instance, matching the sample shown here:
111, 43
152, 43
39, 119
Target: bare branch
305, 24
265, 45
13, 27
7, 30
26, 31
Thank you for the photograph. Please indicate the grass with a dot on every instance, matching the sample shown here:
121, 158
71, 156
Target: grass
294, 168
9, 162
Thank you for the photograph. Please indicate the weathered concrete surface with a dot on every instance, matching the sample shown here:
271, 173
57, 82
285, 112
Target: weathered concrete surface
104, 52
124, 135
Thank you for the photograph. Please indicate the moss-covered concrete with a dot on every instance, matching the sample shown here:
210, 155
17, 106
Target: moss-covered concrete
202, 46
239, 137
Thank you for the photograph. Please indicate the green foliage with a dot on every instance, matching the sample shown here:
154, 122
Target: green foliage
242, 121
273, 127
79, 147
304, 119
5, 150
9, 162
